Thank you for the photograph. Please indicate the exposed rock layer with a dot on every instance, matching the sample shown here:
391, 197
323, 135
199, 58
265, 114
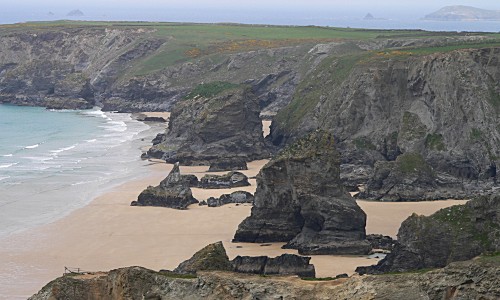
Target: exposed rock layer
465, 280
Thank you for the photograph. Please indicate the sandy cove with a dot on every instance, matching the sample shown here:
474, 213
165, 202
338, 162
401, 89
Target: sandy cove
109, 233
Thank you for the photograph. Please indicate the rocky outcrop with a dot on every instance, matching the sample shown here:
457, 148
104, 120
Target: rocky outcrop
230, 180
452, 234
441, 105
173, 192
381, 242
300, 200
285, 264
225, 164
476, 279
238, 197
212, 257
217, 120
410, 178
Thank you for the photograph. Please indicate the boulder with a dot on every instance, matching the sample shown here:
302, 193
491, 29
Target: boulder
456, 233
235, 197
228, 164
285, 264
174, 192
215, 120
300, 200
211, 258
229, 180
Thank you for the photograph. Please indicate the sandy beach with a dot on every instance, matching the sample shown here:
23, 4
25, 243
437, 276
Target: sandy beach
109, 233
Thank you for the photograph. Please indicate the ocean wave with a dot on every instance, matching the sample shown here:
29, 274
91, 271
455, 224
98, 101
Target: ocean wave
96, 113
5, 166
91, 141
55, 152
7, 155
32, 146
38, 158
5, 177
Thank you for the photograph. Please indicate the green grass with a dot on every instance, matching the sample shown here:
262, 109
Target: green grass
412, 162
177, 275
475, 134
186, 41
318, 278
434, 141
211, 89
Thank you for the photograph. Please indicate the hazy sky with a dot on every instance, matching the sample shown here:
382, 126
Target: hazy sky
294, 12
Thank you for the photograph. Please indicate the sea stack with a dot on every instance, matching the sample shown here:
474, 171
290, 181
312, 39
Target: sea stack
174, 192
300, 200
215, 121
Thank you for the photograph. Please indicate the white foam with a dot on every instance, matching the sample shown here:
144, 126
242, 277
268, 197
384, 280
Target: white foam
5, 166
38, 158
96, 113
63, 149
5, 177
91, 141
32, 146
8, 155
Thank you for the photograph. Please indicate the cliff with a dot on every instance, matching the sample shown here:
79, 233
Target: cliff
476, 279
439, 104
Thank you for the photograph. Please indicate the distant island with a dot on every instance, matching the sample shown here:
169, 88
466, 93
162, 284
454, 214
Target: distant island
75, 13
370, 17
463, 13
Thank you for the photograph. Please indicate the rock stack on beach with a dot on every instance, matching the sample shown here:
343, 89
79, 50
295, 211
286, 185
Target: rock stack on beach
300, 200
174, 192
216, 121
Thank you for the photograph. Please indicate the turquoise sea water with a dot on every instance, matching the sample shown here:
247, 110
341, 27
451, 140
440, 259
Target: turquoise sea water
52, 162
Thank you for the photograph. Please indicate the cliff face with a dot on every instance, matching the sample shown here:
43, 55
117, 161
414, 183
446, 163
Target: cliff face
43, 67
442, 106
80, 66
467, 280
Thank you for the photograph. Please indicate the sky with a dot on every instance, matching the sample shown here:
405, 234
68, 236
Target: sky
286, 12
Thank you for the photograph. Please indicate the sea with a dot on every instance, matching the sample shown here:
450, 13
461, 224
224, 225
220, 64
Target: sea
55, 161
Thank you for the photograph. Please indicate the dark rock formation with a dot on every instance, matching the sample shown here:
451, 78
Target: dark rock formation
300, 200
383, 242
231, 164
174, 192
234, 197
285, 264
380, 107
229, 180
476, 279
206, 126
409, 178
452, 234
211, 258
144, 118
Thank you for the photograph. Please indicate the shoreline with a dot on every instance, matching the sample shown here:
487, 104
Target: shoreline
108, 233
